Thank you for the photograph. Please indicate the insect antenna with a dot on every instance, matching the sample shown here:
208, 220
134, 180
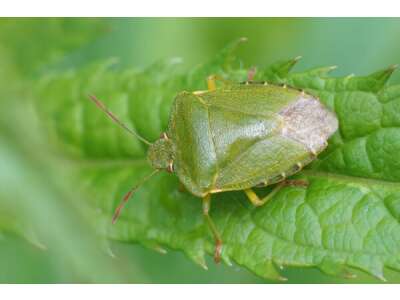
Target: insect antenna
116, 120
129, 194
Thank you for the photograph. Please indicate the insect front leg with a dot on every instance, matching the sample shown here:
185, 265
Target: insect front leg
256, 201
213, 228
212, 82
251, 73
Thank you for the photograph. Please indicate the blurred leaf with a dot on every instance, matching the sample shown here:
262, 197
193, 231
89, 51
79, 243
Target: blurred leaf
31, 43
37, 205
348, 217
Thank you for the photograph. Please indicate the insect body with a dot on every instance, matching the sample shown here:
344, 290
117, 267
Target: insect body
237, 137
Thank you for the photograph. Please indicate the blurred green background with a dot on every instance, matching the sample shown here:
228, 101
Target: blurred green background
38, 203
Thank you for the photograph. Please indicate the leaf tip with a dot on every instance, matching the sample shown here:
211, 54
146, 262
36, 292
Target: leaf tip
323, 71
297, 58
38, 244
380, 276
197, 257
294, 61
110, 252
32, 238
204, 266
160, 249
282, 278
331, 68
284, 67
268, 270
226, 260
383, 76
349, 275
394, 66
386, 73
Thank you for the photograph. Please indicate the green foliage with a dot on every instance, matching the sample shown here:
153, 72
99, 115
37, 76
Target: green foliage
37, 205
40, 215
347, 218
31, 44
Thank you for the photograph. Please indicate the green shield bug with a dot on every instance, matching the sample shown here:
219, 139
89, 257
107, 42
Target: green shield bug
236, 137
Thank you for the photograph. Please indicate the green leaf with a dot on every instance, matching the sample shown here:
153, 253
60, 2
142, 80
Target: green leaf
31, 43
347, 218
37, 206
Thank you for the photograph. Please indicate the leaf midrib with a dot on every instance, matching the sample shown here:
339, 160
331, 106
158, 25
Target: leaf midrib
352, 179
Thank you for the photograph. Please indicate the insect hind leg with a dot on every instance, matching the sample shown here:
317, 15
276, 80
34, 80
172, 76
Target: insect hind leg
256, 201
213, 228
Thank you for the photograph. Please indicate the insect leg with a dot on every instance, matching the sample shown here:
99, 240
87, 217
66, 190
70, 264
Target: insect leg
181, 188
212, 82
251, 73
213, 228
258, 202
